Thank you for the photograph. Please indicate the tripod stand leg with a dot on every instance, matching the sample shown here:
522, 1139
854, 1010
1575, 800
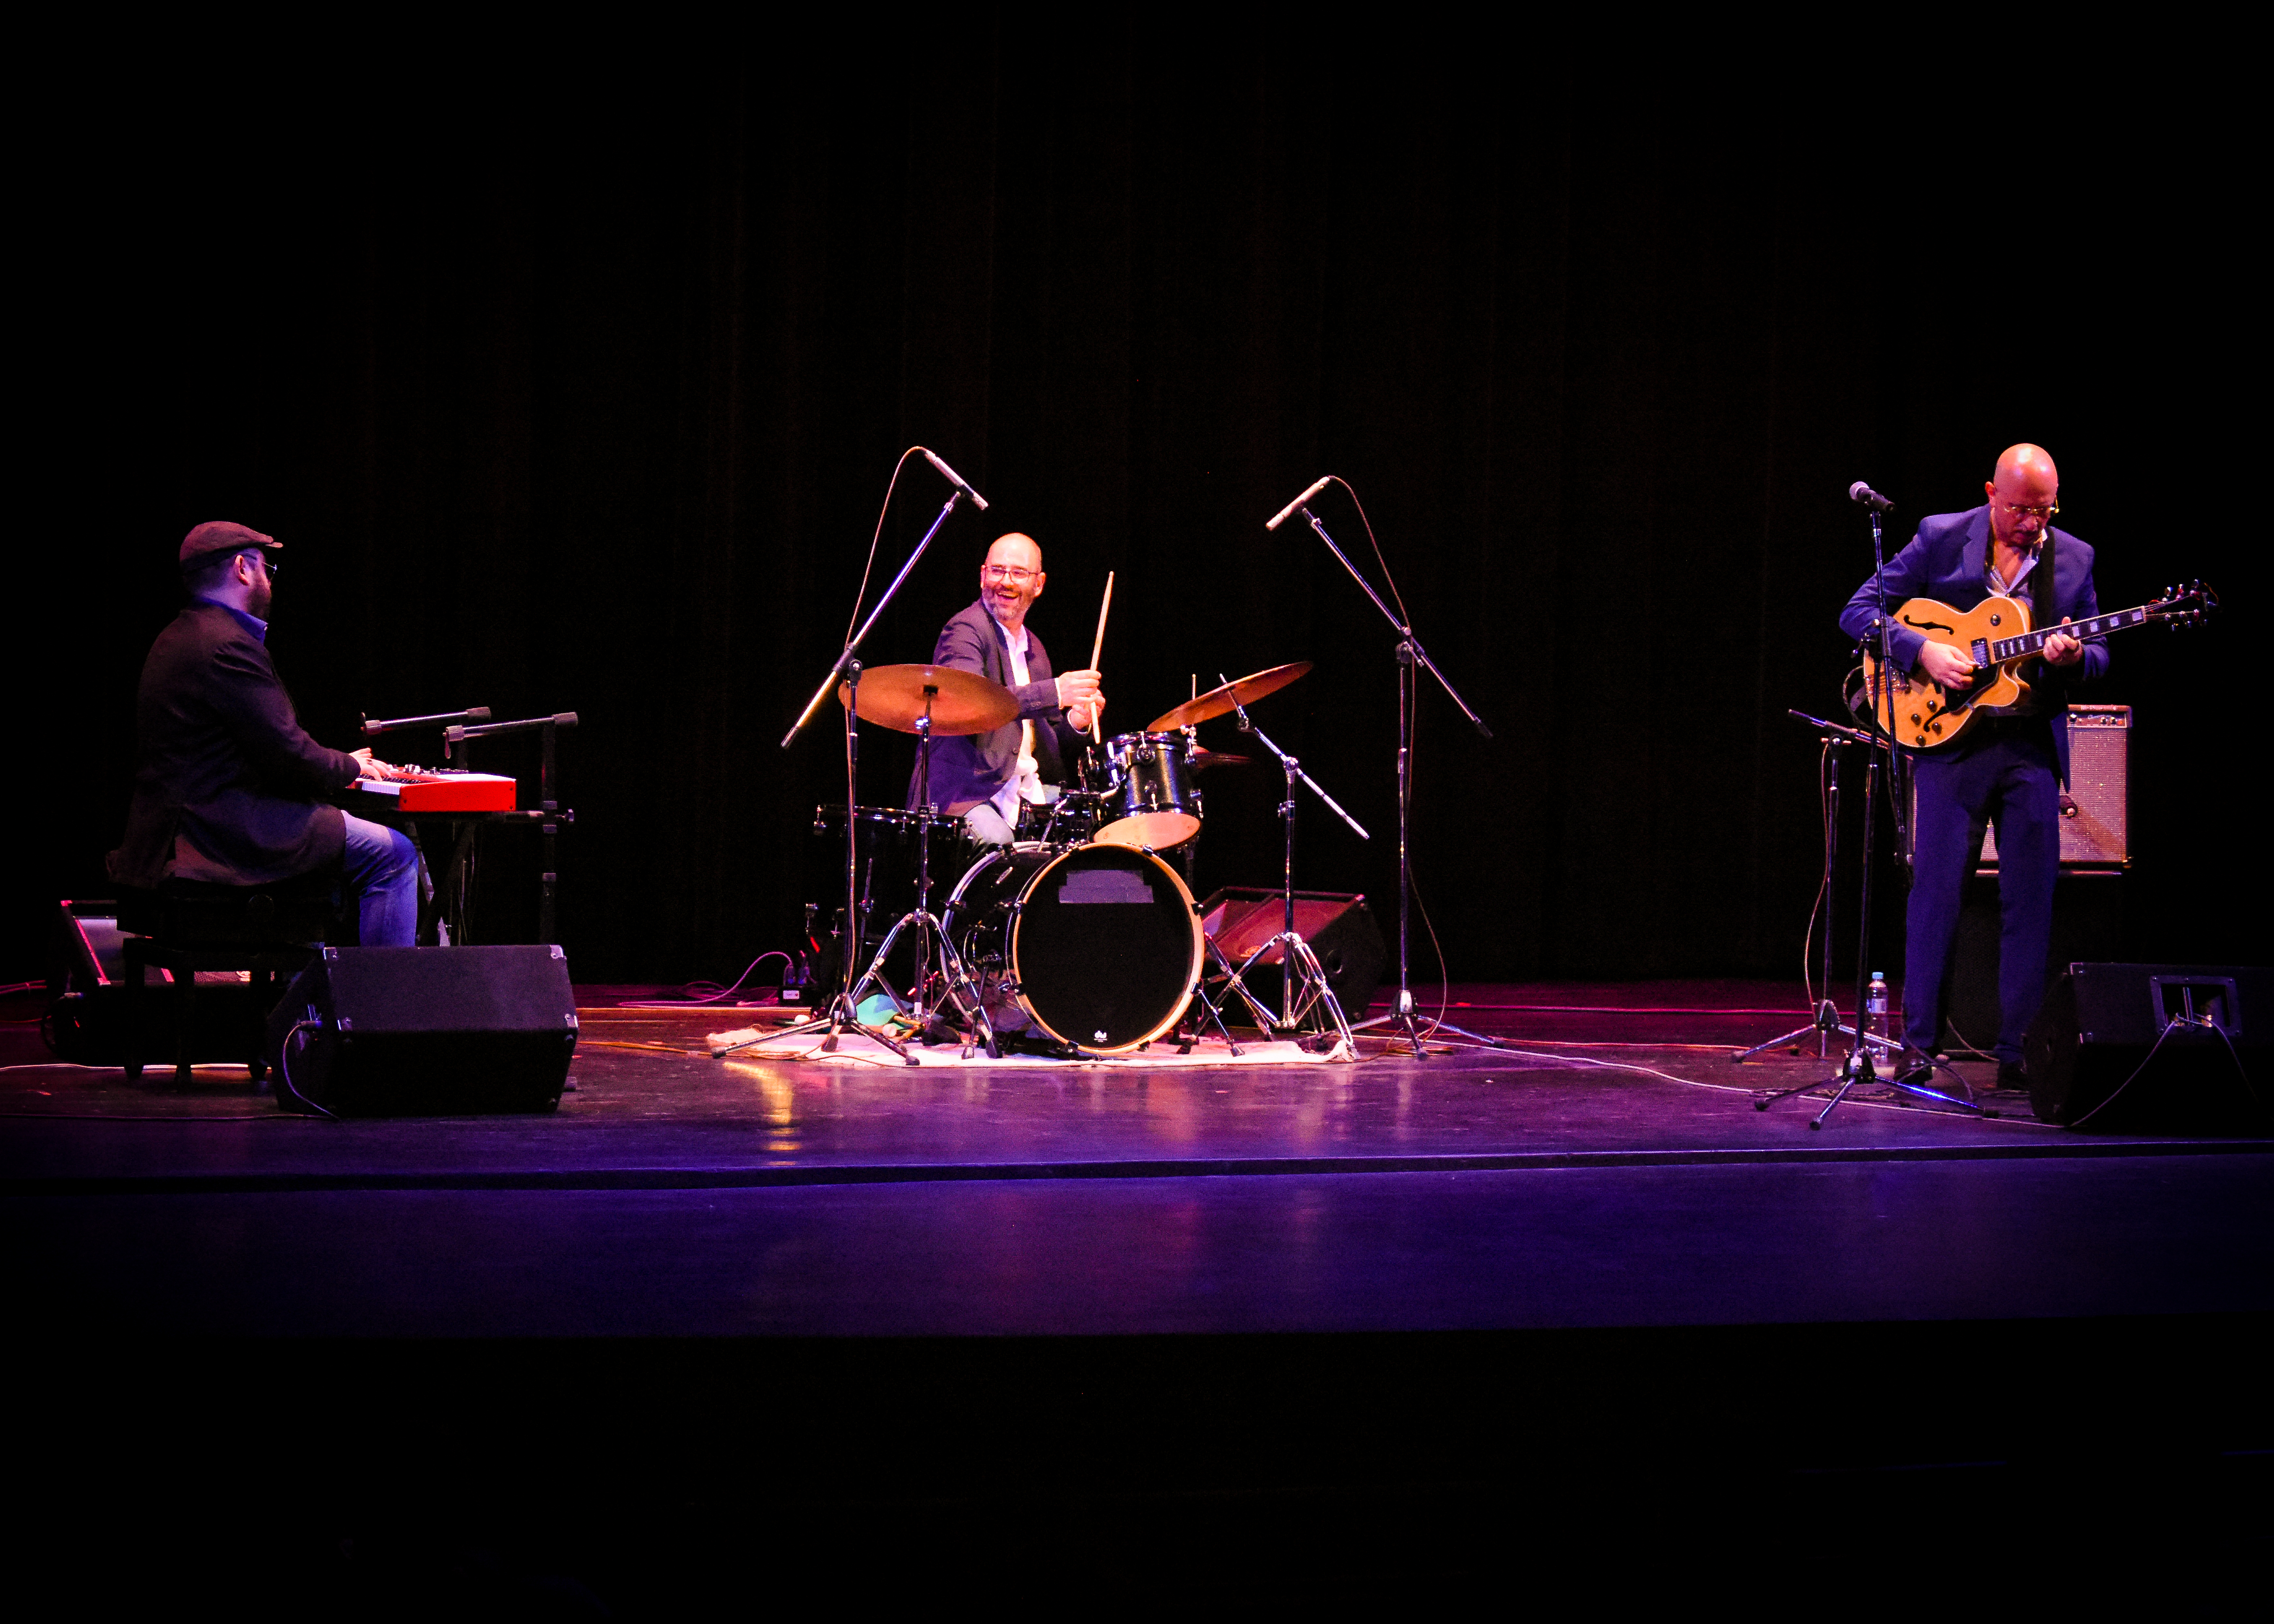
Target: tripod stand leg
1826, 1022
1317, 992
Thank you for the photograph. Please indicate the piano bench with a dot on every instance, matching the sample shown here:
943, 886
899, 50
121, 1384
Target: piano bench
183, 927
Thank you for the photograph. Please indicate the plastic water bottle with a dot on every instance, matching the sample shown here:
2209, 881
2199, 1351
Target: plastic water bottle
1875, 1007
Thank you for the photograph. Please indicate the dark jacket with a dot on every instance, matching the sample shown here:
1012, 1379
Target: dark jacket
971, 768
226, 784
1945, 561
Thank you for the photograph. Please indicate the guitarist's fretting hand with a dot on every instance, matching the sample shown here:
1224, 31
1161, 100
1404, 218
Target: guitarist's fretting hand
2063, 651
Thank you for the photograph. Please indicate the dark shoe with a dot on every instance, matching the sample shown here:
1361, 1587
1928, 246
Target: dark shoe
1914, 1070
2010, 1075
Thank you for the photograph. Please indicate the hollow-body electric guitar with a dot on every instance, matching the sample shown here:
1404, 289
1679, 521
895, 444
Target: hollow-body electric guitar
1921, 714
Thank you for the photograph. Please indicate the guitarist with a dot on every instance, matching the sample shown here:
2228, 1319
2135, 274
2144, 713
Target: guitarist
2008, 769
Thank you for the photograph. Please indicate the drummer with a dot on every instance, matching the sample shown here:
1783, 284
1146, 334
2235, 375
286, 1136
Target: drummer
983, 776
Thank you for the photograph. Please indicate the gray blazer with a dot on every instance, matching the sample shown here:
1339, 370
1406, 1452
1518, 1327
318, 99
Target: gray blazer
971, 768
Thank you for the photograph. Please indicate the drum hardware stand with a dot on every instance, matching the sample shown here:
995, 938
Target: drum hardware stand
1403, 1015
1857, 1067
843, 1013
1212, 1005
1297, 961
1827, 1024
957, 986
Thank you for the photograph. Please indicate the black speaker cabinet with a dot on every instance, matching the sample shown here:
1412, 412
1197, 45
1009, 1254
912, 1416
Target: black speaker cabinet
1338, 926
425, 1031
2170, 1047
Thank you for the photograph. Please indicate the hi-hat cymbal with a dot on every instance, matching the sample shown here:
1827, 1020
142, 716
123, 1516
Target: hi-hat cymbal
961, 701
1220, 701
1218, 759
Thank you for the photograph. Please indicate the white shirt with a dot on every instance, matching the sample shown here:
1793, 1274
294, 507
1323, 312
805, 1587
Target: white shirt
1026, 780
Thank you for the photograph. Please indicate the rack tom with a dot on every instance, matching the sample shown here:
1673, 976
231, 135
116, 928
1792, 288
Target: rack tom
1150, 798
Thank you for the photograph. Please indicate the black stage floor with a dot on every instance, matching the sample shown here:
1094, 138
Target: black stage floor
1186, 1280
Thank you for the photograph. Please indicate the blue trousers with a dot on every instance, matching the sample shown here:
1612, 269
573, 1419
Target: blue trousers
2012, 780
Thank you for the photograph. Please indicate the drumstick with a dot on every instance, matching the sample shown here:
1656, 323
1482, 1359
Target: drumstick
1097, 649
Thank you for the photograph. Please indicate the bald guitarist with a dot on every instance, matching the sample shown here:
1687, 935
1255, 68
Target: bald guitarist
2007, 767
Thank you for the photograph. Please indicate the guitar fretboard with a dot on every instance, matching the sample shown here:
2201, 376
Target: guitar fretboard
2029, 643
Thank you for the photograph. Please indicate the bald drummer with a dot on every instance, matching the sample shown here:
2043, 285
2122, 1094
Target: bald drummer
983, 776
2007, 768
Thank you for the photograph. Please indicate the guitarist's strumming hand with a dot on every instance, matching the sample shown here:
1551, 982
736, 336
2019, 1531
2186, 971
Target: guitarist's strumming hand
2061, 650
1952, 667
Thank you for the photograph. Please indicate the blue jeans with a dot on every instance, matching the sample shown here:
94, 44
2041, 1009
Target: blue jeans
380, 866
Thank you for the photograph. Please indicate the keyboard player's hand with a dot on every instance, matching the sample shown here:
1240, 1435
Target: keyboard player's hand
368, 767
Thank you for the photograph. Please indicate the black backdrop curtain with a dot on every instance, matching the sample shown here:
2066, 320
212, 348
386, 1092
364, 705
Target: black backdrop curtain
584, 397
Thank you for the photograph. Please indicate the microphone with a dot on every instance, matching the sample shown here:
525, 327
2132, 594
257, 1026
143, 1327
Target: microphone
1280, 517
956, 479
1861, 492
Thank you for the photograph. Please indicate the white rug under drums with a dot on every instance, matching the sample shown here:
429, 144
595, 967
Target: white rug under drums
855, 1048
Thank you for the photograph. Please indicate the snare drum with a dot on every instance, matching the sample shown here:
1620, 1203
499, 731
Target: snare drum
1097, 946
1064, 817
1151, 800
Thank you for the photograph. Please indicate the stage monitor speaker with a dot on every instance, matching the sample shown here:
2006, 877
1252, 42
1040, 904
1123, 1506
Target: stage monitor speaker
2169, 1047
1338, 926
425, 1032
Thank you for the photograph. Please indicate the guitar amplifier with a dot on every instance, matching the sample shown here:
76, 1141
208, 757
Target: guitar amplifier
2096, 820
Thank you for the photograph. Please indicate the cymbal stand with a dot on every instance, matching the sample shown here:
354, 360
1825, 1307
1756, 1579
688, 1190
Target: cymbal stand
1403, 1014
1297, 961
1827, 1022
843, 1013
1857, 1066
957, 988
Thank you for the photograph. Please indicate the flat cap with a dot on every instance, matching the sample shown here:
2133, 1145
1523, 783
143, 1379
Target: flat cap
220, 535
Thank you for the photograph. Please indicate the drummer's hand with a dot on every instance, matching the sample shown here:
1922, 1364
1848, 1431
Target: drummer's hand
1082, 718
1076, 687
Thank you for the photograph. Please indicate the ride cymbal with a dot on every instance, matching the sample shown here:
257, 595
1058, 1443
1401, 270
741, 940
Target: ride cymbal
1219, 700
961, 701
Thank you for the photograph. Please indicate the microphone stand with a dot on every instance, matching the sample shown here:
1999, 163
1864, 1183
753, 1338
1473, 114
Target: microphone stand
843, 1013
1827, 1023
1409, 654
1857, 1067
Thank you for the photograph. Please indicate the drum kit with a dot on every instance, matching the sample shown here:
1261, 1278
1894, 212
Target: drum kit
1081, 934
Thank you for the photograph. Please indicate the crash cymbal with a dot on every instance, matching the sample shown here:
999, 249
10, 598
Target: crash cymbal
894, 697
1219, 700
1219, 758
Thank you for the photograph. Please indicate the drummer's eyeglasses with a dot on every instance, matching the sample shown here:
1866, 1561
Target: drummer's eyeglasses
1005, 572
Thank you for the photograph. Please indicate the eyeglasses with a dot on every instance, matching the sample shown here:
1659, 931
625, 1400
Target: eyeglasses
2043, 511
992, 572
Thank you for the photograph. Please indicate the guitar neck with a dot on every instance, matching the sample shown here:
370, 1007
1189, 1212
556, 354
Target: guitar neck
2003, 649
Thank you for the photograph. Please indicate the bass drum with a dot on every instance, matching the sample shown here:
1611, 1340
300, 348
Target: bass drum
1097, 946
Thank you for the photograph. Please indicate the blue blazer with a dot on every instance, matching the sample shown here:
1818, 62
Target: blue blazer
969, 769
1945, 561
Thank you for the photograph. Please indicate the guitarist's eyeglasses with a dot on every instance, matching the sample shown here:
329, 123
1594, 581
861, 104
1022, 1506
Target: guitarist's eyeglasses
2043, 510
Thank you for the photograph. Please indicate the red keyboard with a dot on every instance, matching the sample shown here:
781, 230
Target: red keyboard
427, 791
